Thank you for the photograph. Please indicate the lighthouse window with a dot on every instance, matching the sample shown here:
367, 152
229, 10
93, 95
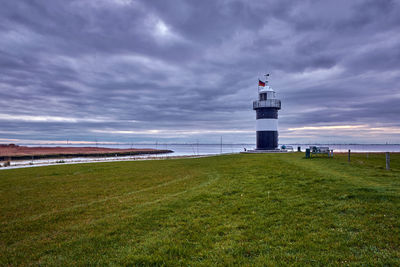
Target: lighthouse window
271, 95
263, 96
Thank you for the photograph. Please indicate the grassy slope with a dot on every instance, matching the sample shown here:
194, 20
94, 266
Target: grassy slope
236, 209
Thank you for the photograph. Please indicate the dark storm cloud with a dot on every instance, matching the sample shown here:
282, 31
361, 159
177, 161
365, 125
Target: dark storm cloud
77, 69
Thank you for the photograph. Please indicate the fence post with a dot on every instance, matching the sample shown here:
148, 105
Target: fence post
308, 154
387, 161
349, 156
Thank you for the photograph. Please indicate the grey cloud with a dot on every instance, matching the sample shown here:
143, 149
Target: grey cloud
194, 65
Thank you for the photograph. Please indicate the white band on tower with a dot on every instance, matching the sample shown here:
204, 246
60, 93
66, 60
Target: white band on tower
267, 125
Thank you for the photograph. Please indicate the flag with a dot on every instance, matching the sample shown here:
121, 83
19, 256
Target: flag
261, 83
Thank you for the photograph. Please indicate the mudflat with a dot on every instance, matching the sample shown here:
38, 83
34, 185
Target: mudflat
15, 151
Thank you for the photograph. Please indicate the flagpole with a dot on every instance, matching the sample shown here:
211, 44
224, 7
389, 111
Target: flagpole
266, 78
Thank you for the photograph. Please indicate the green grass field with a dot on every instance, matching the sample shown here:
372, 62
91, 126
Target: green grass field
261, 209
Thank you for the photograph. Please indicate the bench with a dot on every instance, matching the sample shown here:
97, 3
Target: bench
321, 150
289, 148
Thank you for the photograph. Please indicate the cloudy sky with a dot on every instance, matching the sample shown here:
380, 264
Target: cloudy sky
187, 71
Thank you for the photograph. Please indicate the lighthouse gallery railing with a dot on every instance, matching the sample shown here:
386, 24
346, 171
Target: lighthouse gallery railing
269, 103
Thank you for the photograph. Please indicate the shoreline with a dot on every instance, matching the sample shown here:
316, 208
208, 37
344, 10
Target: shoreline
15, 152
105, 160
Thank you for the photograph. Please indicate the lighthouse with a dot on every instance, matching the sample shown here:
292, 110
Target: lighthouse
266, 108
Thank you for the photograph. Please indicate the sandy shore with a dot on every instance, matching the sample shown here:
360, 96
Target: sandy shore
15, 152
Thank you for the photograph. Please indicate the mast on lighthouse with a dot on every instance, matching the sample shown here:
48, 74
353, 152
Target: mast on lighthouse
266, 108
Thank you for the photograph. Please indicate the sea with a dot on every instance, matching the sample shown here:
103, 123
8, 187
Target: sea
190, 150
206, 149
